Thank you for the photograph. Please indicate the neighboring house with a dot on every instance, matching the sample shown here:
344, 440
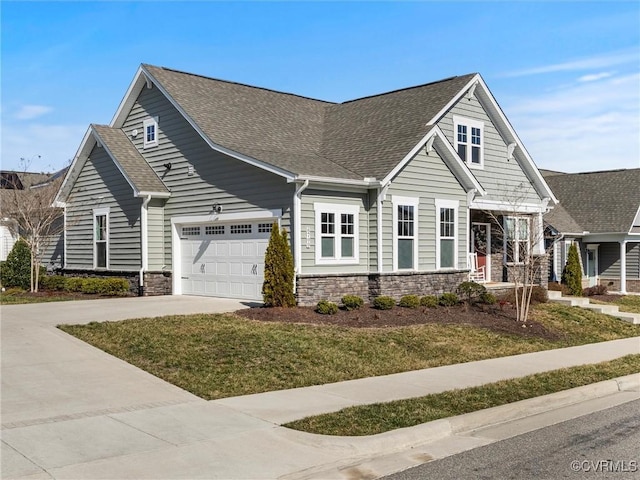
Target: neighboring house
14, 187
381, 195
601, 212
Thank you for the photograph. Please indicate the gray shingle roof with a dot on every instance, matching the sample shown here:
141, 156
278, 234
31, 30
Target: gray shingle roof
601, 202
135, 167
367, 137
560, 219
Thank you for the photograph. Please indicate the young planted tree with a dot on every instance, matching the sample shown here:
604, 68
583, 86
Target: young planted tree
572, 272
277, 289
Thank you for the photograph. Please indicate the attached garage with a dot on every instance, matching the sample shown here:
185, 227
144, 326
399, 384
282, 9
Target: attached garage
223, 259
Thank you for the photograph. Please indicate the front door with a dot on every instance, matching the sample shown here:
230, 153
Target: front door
481, 235
592, 264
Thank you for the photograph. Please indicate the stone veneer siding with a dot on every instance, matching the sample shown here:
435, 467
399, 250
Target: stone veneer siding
155, 282
310, 289
613, 284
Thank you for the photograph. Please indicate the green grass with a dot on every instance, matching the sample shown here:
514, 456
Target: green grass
627, 303
215, 356
382, 417
17, 297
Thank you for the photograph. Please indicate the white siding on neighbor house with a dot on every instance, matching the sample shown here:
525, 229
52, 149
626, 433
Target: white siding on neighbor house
504, 180
428, 178
99, 185
199, 177
308, 244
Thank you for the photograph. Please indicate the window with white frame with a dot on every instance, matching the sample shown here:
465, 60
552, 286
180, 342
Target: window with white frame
405, 220
469, 140
446, 234
150, 132
517, 239
336, 229
101, 238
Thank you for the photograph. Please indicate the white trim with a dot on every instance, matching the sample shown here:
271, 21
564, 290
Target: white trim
414, 202
487, 269
150, 122
497, 205
469, 123
593, 247
337, 210
623, 266
177, 222
296, 229
454, 204
505, 239
98, 212
635, 222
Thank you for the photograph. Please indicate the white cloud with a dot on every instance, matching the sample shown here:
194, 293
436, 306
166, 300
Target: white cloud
596, 62
587, 126
593, 77
29, 112
55, 144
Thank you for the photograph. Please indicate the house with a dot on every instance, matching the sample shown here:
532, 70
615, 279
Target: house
381, 195
600, 211
15, 187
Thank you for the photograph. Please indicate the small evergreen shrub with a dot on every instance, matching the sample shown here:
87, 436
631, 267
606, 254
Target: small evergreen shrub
430, 301
410, 301
470, 291
448, 299
16, 271
352, 302
539, 295
384, 303
52, 282
572, 272
277, 288
488, 298
92, 285
73, 284
325, 307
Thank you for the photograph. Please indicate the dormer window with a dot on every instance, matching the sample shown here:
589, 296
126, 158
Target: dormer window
468, 141
150, 132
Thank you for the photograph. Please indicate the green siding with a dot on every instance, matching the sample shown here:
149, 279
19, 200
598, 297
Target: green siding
609, 260
428, 178
155, 228
99, 185
504, 180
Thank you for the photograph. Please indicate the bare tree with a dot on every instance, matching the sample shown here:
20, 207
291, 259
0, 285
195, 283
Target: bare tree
32, 216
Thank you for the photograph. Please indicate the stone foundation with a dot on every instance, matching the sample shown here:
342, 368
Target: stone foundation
613, 284
155, 282
313, 288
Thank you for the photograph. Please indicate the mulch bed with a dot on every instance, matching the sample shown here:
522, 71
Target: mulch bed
490, 317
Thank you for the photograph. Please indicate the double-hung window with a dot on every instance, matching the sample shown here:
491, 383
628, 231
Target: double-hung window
469, 141
517, 239
101, 238
336, 233
405, 220
446, 234
150, 132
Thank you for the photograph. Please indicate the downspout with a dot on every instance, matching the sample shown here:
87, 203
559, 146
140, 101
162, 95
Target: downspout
144, 242
296, 231
382, 195
470, 196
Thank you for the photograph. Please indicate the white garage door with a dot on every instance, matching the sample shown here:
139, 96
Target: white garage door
224, 260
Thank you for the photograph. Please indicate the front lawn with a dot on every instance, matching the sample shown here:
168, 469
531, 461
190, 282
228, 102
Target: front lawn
626, 303
16, 296
215, 356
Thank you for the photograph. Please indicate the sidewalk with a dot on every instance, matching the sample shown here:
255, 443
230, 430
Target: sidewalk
72, 411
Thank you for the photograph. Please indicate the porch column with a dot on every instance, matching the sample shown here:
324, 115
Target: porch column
623, 266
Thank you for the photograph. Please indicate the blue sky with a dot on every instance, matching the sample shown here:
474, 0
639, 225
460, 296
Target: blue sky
567, 74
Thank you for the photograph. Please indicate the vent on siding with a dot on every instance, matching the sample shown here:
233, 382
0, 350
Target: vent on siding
190, 170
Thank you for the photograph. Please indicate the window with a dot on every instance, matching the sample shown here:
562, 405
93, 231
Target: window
101, 238
517, 239
150, 132
243, 228
468, 140
336, 233
214, 230
446, 234
265, 227
190, 231
405, 219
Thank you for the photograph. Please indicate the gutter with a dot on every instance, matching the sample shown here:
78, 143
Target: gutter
144, 242
296, 231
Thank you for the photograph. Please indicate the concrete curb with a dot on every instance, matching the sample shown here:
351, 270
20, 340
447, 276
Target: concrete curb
405, 438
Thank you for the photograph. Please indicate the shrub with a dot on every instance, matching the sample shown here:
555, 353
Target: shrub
595, 290
448, 299
384, 303
410, 301
539, 295
73, 284
277, 288
430, 301
352, 302
326, 308
470, 290
52, 282
91, 285
488, 298
16, 271
558, 287
572, 272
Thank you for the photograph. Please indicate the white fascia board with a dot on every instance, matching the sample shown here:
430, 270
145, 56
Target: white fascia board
635, 222
231, 153
496, 205
331, 182
139, 81
153, 194
454, 100
87, 144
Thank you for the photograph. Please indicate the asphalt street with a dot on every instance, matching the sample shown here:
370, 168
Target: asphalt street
599, 445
